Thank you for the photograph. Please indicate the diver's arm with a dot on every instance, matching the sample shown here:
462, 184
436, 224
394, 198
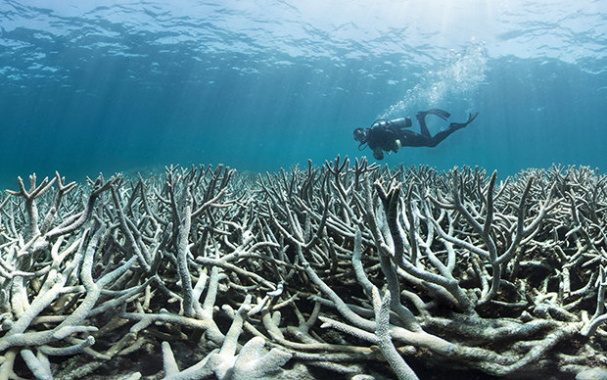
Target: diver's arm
378, 153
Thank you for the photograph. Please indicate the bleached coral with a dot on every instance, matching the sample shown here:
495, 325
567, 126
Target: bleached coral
328, 268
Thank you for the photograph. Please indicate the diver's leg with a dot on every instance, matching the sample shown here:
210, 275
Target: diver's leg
421, 119
440, 136
410, 138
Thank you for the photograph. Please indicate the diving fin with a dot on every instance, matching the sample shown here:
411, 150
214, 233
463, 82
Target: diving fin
440, 113
471, 117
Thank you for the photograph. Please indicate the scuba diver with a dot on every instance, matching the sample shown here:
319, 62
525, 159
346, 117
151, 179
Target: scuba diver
390, 136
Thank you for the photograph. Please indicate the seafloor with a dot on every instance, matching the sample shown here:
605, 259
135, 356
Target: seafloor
346, 271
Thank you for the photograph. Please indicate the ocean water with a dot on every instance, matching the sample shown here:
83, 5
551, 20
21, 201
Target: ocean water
108, 85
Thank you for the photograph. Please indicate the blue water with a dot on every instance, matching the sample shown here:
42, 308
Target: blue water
90, 86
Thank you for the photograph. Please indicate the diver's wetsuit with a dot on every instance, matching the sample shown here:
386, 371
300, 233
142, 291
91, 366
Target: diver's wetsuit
390, 135
384, 137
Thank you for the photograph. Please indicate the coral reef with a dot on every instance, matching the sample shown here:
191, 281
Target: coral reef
349, 269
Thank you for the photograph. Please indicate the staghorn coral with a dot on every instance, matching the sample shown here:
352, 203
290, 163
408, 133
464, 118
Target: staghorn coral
351, 270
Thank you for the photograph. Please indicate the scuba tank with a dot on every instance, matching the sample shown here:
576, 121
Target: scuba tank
402, 122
